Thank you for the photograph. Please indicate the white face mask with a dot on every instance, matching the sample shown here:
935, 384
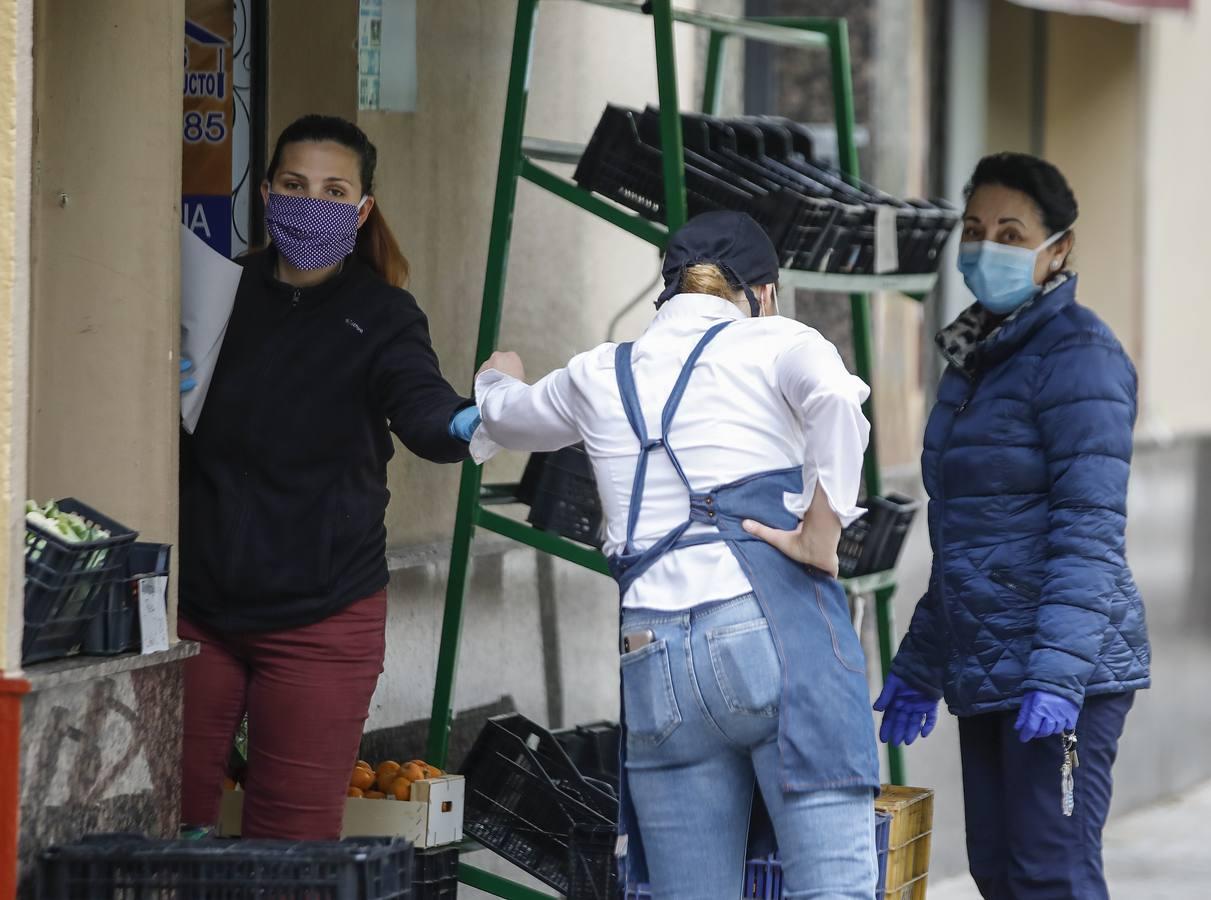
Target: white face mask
773, 302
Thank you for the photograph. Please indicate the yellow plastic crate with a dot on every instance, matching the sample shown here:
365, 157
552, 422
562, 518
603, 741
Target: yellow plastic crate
911, 810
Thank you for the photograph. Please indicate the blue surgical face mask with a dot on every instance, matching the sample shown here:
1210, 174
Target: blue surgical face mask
1000, 276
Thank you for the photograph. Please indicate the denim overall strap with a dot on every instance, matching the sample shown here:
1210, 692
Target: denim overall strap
625, 376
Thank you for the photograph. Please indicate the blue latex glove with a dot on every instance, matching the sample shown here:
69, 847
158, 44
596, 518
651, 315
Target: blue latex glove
187, 382
1044, 715
463, 423
907, 713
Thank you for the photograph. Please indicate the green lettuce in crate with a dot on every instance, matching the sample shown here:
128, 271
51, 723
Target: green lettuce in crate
72, 527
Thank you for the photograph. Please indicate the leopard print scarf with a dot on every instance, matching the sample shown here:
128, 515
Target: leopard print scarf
959, 340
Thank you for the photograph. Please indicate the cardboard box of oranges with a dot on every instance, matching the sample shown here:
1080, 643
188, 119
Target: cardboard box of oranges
415, 801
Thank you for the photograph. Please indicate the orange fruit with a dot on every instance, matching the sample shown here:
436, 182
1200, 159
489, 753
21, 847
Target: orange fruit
229, 784
362, 764
385, 774
354, 792
374, 795
430, 771
362, 779
412, 772
401, 789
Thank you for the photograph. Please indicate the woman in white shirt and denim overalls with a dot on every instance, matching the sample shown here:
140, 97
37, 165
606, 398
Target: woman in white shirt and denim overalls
727, 444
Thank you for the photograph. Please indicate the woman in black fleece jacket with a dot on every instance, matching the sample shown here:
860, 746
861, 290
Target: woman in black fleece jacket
284, 489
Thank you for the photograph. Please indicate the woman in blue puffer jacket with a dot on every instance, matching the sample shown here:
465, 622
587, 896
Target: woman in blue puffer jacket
1032, 627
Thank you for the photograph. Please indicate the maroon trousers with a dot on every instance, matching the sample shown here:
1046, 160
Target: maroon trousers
307, 693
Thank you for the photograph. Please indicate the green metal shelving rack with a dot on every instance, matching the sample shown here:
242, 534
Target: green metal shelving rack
519, 160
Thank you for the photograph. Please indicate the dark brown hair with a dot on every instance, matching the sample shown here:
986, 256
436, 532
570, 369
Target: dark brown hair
1038, 179
376, 245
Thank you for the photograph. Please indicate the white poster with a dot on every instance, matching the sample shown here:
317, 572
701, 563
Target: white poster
153, 613
208, 284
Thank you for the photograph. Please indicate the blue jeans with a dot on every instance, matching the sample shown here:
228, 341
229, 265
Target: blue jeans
701, 706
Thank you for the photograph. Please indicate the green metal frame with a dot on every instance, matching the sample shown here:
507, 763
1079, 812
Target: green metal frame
516, 164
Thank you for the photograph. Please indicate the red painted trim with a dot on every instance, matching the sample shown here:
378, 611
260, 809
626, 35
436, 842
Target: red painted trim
11, 691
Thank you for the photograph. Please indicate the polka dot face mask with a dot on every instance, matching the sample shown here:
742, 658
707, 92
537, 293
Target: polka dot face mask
309, 232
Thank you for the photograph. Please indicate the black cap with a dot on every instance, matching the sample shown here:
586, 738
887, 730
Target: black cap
733, 241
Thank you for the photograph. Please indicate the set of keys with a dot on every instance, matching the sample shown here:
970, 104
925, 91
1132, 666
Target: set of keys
1071, 761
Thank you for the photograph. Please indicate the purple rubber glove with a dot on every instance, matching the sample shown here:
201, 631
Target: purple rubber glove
907, 713
1044, 715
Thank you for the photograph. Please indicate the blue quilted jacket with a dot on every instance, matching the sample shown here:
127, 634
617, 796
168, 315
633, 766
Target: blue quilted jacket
1026, 459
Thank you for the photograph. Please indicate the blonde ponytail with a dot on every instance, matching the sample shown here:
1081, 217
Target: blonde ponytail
708, 278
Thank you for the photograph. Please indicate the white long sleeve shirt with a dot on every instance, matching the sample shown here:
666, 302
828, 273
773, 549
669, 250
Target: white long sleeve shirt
767, 393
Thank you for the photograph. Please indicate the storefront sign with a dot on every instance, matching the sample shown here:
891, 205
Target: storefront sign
207, 122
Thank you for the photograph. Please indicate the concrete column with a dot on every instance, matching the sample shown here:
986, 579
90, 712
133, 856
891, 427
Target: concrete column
900, 138
312, 62
966, 130
105, 304
1176, 317
16, 81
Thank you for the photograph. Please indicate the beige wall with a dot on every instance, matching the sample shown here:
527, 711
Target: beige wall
1092, 127
1126, 120
105, 308
1010, 106
568, 272
1176, 198
436, 181
312, 60
1093, 132
16, 77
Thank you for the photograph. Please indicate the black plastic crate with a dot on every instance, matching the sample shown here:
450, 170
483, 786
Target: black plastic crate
617, 164
623, 162
563, 497
895, 515
767, 199
873, 542
131, 867
593, 749
577, 745
805, 210
525, 797
528, 485
66, 582
435, 874
854, 546
115, 627
819, 219
592, 866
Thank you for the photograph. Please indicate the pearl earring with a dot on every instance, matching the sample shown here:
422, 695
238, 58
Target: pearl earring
1055, 264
